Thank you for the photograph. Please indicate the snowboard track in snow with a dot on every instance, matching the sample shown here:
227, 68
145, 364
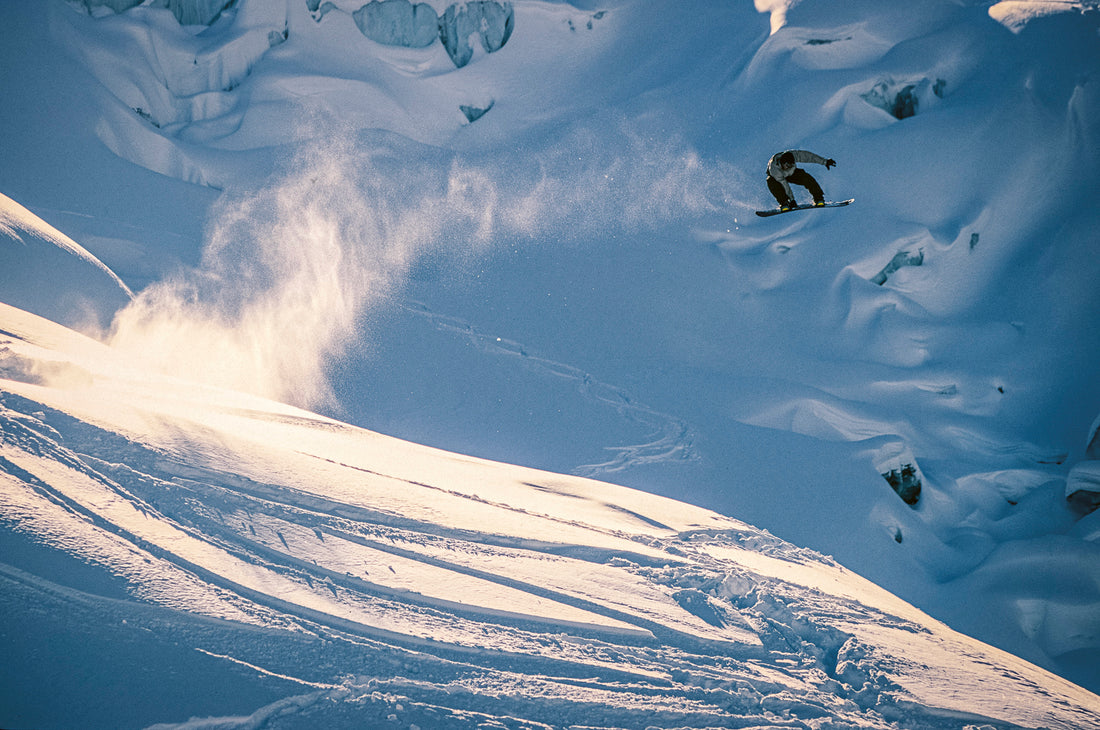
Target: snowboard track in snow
673, 437
777, 655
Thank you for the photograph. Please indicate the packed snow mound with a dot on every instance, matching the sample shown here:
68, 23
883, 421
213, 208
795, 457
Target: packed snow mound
44, 271
187, 12
354, 574
1083, 483
1016, 14
173, 87
200, 106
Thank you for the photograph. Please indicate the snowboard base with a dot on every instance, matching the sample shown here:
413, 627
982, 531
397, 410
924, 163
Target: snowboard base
777, 211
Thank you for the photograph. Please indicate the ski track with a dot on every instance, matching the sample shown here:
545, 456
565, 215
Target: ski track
673, 437
696, 640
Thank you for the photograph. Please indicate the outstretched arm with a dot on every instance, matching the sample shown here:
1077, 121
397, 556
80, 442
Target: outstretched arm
807, 156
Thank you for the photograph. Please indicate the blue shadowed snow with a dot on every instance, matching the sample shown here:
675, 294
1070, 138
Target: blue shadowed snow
547, 255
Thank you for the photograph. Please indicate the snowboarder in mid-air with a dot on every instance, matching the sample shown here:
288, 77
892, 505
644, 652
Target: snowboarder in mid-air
783, 170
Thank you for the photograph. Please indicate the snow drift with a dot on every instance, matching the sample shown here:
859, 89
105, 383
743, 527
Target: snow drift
46, 272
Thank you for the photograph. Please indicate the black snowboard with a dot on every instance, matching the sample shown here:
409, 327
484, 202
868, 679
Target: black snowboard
777, 211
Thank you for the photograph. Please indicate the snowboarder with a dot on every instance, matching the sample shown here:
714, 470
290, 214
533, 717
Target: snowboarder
782, 171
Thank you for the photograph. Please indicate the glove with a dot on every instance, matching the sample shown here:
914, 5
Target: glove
830, 163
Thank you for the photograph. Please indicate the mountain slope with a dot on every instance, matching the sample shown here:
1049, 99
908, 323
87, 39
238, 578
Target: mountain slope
443, 590
46, 272
573, 281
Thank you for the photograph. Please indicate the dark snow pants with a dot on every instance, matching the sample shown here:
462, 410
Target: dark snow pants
798, 177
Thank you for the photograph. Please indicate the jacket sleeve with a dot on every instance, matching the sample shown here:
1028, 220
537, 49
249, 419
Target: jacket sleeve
776, 173
773, 166
806, 156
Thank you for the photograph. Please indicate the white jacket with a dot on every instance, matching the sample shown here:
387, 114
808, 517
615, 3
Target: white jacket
776, 171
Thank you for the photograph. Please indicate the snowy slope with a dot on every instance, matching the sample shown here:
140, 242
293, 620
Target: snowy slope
574, 281
45, 272
370, 578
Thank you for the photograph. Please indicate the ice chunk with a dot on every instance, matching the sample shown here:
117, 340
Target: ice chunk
1084, 476
490, 21
906, 482
900, 260
198, 12
902, 100
398, 23
473, 113
1093, 449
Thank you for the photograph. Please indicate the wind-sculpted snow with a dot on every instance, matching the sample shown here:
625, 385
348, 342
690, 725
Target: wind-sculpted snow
1016, 14
445, 591
187, 12
169, 82
45, 272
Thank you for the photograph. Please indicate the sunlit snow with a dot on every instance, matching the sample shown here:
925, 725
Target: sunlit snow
354, 374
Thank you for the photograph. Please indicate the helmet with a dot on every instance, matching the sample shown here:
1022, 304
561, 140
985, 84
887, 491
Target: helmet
786, 159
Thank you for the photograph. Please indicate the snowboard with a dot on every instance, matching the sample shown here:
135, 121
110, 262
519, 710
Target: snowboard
777, 211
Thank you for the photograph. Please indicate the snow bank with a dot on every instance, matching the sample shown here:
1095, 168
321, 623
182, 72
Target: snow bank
169, 80
45, 272
187, 12
1083, 482
1015, 14
375, 575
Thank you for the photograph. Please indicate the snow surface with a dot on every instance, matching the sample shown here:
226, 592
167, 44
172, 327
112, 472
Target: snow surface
372, 578
34, 256
575, 282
